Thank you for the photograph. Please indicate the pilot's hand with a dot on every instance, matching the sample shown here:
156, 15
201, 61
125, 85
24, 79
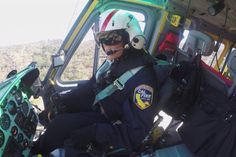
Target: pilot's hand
58, 103
55, 106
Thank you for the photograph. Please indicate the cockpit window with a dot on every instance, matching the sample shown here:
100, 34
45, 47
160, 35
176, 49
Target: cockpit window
41, 27
185, 35
212, 60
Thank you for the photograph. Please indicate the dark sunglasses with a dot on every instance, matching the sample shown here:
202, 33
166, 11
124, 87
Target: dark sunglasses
110, 38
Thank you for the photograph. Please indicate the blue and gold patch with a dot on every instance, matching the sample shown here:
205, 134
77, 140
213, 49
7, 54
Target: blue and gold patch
143, 96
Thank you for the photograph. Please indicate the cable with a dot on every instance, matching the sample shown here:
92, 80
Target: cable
187, 12
217, 62
226, 16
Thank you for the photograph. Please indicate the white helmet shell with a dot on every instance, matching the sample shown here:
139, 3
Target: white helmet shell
111, 20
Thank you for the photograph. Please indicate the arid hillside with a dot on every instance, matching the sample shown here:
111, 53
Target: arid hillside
19, 56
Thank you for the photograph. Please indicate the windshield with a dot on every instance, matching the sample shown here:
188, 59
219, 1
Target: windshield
19, 56
41, 27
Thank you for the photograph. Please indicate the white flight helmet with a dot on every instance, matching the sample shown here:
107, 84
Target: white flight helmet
116, 25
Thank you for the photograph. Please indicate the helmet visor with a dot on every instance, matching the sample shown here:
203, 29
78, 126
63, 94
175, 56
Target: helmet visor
110, 38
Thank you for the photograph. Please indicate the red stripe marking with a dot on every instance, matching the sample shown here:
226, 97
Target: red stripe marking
105, 23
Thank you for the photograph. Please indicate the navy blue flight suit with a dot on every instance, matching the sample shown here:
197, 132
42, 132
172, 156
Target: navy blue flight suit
121, 120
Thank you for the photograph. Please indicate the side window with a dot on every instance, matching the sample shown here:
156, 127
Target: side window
211, 60
226, 71
185, 35
80, 67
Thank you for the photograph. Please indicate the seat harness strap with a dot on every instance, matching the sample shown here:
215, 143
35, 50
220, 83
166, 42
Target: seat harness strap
118, 84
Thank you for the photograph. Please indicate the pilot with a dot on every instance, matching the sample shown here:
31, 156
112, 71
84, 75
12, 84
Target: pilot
120, 119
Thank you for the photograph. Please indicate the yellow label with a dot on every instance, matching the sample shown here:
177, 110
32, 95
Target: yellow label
175, 19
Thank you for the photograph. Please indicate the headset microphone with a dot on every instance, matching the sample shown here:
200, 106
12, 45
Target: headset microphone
112, 51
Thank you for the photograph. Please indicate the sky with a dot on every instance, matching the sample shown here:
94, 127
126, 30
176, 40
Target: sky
24, 21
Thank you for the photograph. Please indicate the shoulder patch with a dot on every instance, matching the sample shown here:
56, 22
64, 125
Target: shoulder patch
143, 95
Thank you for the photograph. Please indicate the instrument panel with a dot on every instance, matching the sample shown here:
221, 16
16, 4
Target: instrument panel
18, 122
